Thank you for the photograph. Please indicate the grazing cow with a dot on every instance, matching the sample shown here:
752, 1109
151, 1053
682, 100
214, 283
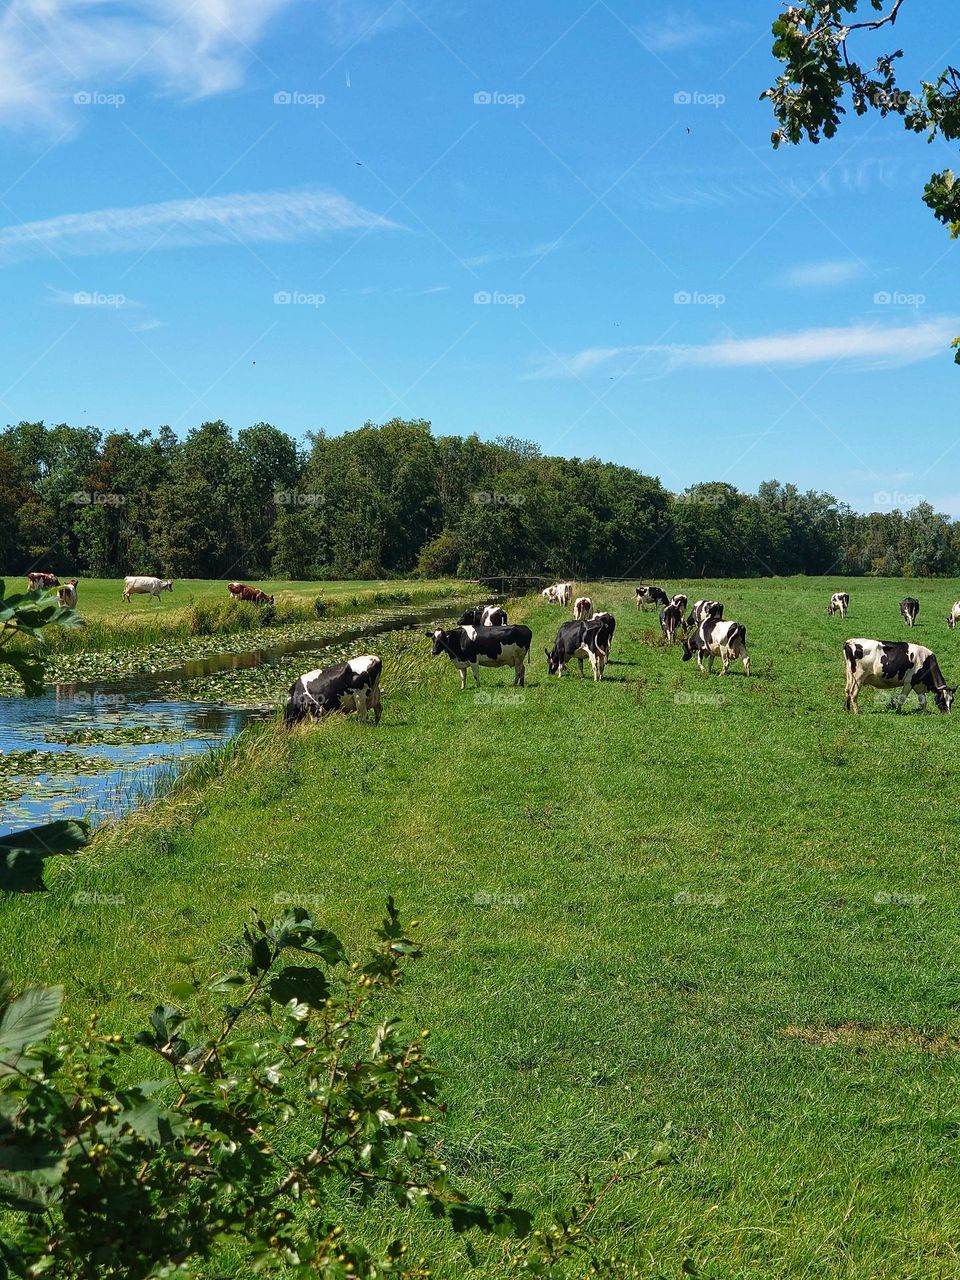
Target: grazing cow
349, 686
671, 621
253, 595
716, 639
909, 608
135, 586
578, 640
67, 594
839, 603
888, 664
680, 600
474, 647
608, 625
703, 611
559, 593
651, 595
44, 580
953, 615
582, 606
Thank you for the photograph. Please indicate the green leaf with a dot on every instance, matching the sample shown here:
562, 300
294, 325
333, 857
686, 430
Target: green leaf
304, 983
22, 854
25, 1021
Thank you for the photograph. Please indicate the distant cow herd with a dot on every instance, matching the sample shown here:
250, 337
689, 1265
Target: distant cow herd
483, 637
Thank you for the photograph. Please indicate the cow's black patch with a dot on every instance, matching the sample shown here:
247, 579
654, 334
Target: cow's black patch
894, 659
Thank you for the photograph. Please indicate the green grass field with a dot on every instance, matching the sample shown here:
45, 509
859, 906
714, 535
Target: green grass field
712, 918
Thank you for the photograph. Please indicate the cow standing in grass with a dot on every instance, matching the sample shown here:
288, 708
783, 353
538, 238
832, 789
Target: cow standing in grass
839, 603
892, 664
470, 648
252, 595
349, 686
67, 594
671, 621
37, 580
680, 600
145, 586
651, 595
909, 608
608, 624
582, 608
717, 639
953, 615
578, 640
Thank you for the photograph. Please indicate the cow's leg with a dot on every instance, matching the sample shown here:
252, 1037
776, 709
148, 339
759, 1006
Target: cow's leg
746, 663
377, 705
360, 704
710, 657
921, 698
580, 660
519, 674
475, 667
463, 678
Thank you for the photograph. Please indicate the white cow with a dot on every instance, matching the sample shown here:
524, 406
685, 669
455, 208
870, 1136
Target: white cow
953, 615
716, 639
559, 593
892, 664
136, 586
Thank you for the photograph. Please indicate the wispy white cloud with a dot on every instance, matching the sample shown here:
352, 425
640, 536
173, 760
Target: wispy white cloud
823, 275
51, 49
860, 344
670, 32
280, 217
512, 255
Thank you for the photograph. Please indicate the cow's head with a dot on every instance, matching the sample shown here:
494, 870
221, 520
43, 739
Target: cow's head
553, 660
690, 647
441, 641
944, 697
166, 586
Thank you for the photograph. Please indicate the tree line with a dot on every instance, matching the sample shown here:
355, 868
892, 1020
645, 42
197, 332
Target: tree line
396, 499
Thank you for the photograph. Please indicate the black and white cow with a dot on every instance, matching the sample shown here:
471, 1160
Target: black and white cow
578, 640
839, 603
470, 648
703, 611
651, 595
889, 664
680, 600
716, 639
349, 686
953, 615
582, 608
671, 621
909, 608
490, 615
608, 625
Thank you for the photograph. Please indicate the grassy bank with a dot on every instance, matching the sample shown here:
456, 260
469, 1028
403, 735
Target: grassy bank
715, 918
201, 608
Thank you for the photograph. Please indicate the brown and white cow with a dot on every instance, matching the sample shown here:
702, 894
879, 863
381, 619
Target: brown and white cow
717, 639
582, 608
253, 595
37, 580
67, 594
892, 664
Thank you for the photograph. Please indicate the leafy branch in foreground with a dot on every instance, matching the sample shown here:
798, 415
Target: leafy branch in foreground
282, 1091
26, 614
813, 41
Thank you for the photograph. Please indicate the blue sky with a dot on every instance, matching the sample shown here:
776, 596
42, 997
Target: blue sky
558, 221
